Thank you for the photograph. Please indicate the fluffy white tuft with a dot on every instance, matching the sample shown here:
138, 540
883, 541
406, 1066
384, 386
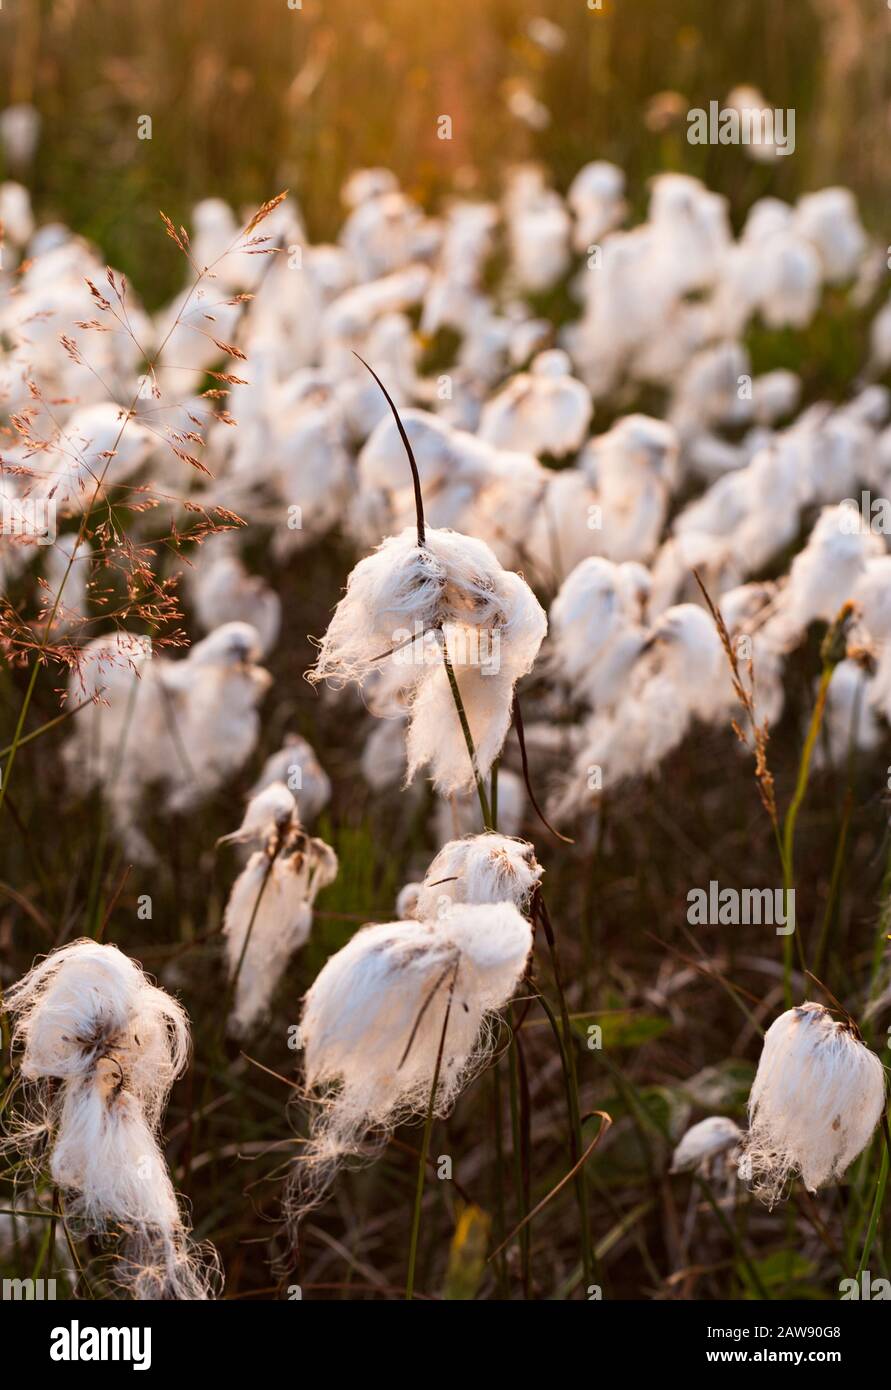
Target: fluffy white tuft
269, 912
373, 1022
818, 1095
100, 1049
704, 1143
486, 868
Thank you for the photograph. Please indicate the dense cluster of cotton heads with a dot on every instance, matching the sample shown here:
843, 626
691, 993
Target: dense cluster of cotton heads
817, 1097
736, 474
100, 1047
676, 675
269, 912
183, 726
528, 501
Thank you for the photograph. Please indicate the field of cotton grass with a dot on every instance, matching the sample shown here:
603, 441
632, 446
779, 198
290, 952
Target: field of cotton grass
445, 655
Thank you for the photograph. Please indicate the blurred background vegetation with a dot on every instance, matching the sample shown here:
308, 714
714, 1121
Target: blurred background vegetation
249, 98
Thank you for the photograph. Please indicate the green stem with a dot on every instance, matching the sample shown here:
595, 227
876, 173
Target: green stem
834, 883
734, 1238
878, 1201
500, 1221
45, 728
788, 844
233, 983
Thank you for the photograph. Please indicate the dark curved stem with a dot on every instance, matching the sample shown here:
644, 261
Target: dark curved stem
416, 477
521, 739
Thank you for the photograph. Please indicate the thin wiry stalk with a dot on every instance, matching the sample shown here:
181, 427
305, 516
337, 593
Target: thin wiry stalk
425, 1145
521, 739
520, 1186
233, 983
415, 475
468, 736
570, 1075
750, 1268
572, 1175
45, 728
93, 896
835, 881
878, 1201
788, 842
500, 1222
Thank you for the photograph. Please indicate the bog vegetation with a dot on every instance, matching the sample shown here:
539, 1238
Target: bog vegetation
446, 661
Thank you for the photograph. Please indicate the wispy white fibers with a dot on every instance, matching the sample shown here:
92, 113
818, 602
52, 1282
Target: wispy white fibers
100, 1049
680, 676
404, 604
597, 630
373, 1022
486, 678
450, 579
269, 912
817, 1097
183, 726
486, 868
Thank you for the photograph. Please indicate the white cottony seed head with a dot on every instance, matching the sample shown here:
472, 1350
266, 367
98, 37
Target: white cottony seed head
705, 1142
486, 868
373, 1022
817, 1097
100, 1049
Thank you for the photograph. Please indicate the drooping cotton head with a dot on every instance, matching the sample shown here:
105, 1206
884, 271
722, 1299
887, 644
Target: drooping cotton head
375, 1018
543, 411
269, 913
486, 666
706, 1142
404, 605
596, 630
596, 197
817, 1097
223, 591
405, 589
297, 766
100, 1049
486, 868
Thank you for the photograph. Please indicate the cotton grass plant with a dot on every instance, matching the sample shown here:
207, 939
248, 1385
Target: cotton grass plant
99, 1048
564, 1022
